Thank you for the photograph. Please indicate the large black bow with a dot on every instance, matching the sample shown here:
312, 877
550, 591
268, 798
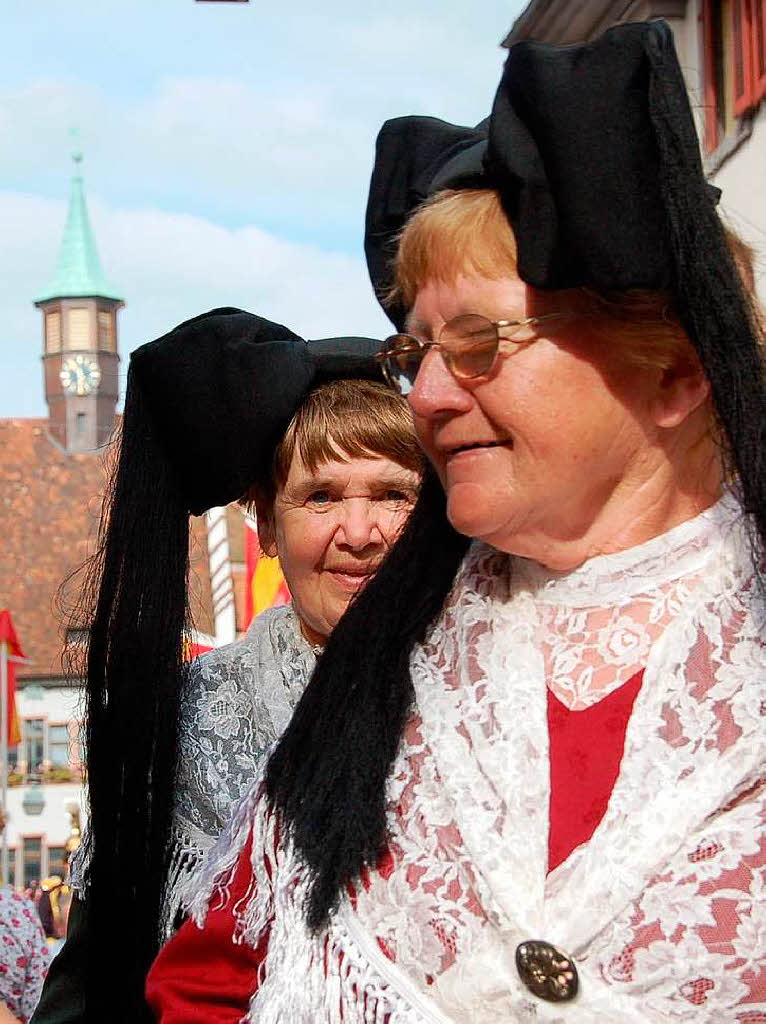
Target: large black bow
220, 390
572, 147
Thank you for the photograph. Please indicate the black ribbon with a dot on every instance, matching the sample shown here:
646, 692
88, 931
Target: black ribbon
571, 147
220, 390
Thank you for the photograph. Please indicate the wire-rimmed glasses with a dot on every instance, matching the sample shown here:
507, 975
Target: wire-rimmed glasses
469, 344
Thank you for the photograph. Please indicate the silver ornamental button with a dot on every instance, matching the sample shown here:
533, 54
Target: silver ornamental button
546, 971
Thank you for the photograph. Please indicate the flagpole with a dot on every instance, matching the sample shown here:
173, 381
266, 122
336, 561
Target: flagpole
4, 755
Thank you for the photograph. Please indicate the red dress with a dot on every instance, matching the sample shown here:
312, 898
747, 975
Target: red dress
203, 975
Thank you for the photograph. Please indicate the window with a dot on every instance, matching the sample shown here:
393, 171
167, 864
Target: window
758, 30
78, 328
734, 62
13, 758
80, 424
58, 746
53, 332
105, 331
33, 860
33, 741
78, 729
57, 861
11, 883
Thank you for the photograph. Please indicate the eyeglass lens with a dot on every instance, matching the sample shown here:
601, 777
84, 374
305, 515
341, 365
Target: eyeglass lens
469, 344
403, 357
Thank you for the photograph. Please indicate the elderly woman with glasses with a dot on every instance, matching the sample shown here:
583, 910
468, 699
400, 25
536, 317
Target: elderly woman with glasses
542, 795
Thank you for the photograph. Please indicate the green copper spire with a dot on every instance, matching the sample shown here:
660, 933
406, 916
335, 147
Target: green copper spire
78, 272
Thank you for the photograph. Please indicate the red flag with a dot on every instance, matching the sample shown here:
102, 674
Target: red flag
196, 643
10, 640
265, 585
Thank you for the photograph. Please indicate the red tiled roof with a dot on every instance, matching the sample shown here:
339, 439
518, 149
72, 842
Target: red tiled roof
50, 504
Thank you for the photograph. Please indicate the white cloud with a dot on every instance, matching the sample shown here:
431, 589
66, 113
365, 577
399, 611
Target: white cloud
280, 133
227, 151
170, 267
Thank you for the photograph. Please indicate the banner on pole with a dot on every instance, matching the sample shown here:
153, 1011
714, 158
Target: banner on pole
265, 585
10, 640
196, 643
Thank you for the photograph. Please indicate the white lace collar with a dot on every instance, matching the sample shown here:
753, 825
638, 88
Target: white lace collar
620, 577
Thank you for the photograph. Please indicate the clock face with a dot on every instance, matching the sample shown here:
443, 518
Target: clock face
80, 375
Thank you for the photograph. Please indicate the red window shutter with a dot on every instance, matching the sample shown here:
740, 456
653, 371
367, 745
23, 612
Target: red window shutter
758, 37
742, 54
710, 104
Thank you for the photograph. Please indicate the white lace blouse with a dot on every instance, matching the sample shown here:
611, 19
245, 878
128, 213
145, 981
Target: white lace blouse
237, 701
662, 910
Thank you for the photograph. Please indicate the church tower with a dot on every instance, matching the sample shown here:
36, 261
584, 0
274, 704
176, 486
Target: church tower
80, 350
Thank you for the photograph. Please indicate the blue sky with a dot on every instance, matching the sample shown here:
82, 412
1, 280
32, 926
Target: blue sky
227, 151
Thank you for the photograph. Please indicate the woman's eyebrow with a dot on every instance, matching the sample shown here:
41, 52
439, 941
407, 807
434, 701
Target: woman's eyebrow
414, 325
401, 479
389, 478
314, 483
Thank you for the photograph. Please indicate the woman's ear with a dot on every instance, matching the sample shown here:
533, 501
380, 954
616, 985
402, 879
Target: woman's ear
267, 534
682, 389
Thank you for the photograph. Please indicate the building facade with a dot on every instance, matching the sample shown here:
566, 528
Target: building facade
54, 474
52, 482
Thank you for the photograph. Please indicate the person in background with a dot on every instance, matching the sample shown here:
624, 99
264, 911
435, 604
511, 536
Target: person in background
24, 957
33, 891
329, 461
544, 798
53, 910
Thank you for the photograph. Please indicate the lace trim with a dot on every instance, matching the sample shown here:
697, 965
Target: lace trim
190, 847
305, 979
617, 578
663, 909
237, 701
468, 812
597, 624
78, 864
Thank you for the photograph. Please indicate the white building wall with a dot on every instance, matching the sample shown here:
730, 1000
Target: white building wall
742, 179
53, 827
741, 172
56, 706
738, 167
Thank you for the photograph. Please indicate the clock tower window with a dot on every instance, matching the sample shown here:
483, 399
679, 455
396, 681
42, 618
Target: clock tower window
52, 332
105, 331
78, 328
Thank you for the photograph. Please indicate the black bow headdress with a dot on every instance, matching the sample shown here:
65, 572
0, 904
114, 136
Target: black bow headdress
593, 151
573, 147
221, 388
205, 407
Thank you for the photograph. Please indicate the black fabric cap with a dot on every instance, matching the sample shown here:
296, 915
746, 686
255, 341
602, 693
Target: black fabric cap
570, 145
572, 149
411, 153
221, 389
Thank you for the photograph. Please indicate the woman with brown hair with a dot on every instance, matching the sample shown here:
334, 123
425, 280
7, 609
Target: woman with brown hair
225, 405
543, 799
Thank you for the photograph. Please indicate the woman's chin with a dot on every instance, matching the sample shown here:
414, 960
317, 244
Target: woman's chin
469, 510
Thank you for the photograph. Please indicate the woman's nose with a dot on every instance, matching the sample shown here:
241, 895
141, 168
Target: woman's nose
435, 392
359, 525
